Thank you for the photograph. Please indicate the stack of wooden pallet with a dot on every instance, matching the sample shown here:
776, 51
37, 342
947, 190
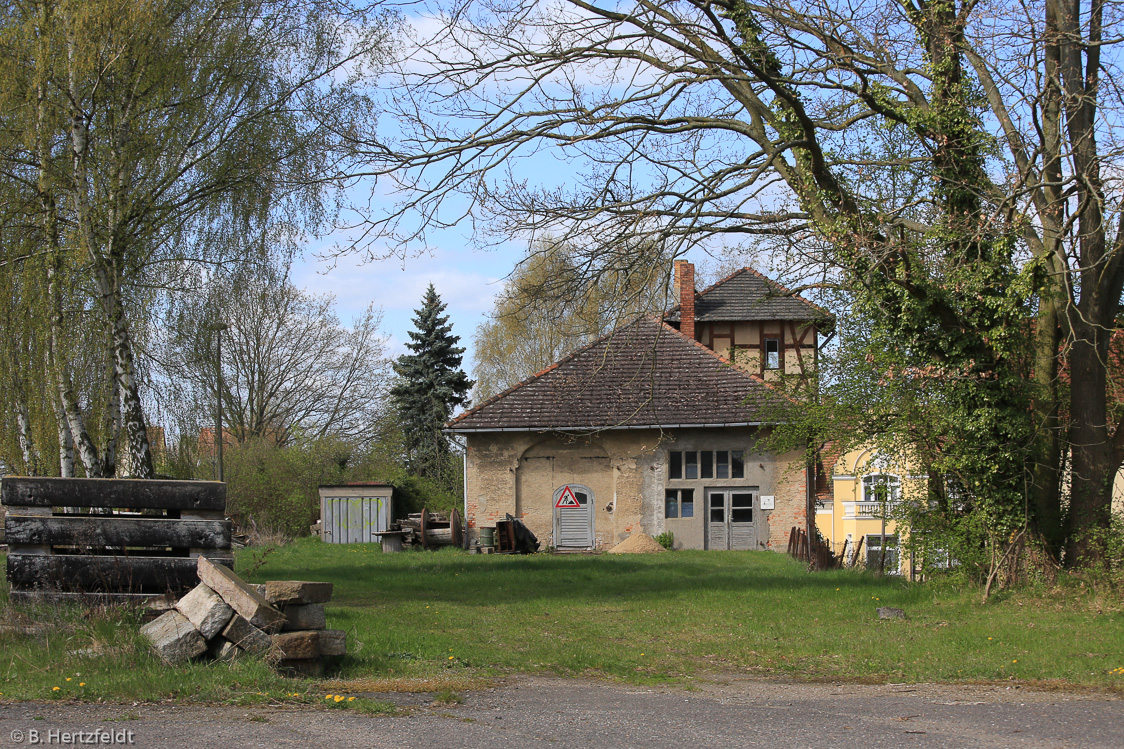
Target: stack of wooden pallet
224, 616
429, 530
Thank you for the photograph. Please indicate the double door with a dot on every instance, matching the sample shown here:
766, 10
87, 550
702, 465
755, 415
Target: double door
729, 519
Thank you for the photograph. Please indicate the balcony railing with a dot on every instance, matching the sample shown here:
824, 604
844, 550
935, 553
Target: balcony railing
867, 509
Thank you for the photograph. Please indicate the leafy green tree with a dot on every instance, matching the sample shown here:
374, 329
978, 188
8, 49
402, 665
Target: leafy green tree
549, 306
147, 136
430, 385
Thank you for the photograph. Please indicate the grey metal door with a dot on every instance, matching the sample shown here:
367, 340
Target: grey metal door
354, 520
573, 517
730, 519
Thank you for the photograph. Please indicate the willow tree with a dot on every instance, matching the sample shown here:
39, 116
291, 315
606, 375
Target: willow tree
550, 305
163, 132
692, 122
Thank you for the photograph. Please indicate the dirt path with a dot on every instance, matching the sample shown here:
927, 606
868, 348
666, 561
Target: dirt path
535, 711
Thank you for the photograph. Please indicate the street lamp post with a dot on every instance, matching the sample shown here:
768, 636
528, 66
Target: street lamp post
218, 328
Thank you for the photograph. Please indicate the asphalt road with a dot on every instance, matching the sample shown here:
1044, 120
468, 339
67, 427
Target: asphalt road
533, 712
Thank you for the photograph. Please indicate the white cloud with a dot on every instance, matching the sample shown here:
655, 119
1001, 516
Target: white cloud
466, 281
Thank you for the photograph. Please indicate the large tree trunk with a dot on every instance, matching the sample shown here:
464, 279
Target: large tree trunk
111, 426
31, 464
1094, 455
133, 422
29, 451
1045, 490
67, 399
66, 442
1100, 275
109, 292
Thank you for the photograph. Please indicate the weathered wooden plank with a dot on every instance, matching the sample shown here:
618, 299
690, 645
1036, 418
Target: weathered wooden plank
119, 574
159, 600
37, 491
96, 530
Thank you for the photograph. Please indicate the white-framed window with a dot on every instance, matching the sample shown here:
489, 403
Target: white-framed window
772, 353
882, 487
878, 546
679, 503
705, 464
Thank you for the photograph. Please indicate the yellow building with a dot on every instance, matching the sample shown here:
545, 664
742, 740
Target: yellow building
868, 487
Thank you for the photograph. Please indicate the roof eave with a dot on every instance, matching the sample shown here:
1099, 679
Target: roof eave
543, 429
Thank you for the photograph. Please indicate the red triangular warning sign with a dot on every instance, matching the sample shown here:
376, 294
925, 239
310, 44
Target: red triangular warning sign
567, 499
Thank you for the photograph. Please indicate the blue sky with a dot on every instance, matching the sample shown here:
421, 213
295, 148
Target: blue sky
466, 280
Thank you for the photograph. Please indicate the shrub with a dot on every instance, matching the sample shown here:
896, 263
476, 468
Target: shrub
413, 493
666, 540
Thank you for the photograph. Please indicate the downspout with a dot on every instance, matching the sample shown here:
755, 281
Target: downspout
464, 479
810, 507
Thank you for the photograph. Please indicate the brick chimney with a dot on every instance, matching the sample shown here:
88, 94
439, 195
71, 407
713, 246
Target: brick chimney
685, 284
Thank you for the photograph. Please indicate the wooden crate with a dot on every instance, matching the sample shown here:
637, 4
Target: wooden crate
111, 540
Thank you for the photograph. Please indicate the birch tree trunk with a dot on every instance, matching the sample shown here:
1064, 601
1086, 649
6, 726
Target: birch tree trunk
107, 285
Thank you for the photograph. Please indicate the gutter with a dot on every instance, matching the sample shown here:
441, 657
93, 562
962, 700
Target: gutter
456, 430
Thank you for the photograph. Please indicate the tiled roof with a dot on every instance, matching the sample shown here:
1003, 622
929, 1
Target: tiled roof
643, 374
748, 295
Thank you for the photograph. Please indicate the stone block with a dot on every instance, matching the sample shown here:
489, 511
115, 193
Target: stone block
304, 616
295, 591
205, 609
333, 642
222, 649
242, 597
296, 645
175, 638
246, 636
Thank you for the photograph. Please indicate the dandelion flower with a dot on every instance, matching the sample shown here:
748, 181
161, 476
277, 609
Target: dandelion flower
351, 699
339, 698
68, 678
81, 683
1015, 661
327, 696
450, 657
54, 689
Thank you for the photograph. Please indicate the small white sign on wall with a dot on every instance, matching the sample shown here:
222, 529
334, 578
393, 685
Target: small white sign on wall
768, 501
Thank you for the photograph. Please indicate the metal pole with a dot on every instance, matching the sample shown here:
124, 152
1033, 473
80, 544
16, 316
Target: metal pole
218, 328
218, 399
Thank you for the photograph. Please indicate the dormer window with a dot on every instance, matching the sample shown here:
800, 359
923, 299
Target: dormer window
772, 353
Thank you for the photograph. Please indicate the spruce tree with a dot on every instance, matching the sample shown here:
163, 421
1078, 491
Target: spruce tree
430, 385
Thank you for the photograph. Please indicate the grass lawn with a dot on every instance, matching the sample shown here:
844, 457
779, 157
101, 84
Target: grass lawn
442, 621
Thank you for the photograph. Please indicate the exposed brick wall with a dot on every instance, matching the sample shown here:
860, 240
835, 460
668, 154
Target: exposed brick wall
791, 507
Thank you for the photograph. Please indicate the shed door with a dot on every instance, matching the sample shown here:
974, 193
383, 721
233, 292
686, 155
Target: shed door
354, 520
573, 517
730, 519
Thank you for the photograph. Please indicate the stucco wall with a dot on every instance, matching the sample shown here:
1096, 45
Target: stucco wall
518, 473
